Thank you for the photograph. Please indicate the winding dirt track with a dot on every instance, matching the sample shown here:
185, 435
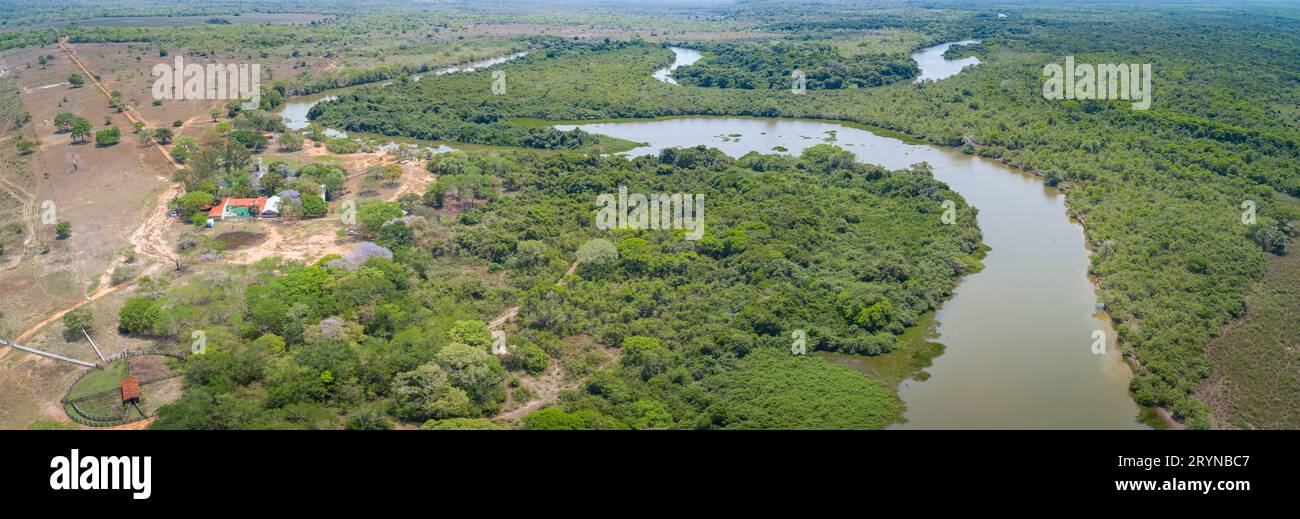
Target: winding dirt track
147, 239
28, 216
547, 387
513, 311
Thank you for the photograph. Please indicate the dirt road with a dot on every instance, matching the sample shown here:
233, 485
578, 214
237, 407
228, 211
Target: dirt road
147, 239
513, 311
545, 389
28, 215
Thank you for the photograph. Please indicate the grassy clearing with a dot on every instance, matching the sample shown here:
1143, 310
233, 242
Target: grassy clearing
1256, 379
99, 380
107, 406
774, 390
331, 159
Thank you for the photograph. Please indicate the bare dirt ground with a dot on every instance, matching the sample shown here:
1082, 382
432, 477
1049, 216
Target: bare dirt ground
545, 388
306, 241
150, 367
101, 197
147, 239
105, 193
30, 389
158, 393
25, 202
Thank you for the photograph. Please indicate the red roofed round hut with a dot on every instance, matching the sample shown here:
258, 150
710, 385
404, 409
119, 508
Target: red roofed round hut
131, 390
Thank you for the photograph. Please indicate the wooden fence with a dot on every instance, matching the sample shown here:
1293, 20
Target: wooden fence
54, 356
79, 415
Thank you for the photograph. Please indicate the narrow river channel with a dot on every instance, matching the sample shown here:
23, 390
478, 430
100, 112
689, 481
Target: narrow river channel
934, 67
296, 108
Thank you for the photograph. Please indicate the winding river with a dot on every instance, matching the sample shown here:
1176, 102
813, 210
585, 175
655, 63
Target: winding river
296, 108
934, 67
1018, 334
682, 58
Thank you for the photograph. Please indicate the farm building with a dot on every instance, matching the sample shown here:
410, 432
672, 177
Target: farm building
271, 209
131, 390
260, 207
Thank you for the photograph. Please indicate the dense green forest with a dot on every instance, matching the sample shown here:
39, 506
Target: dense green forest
771, 65
850, 254
1160, 190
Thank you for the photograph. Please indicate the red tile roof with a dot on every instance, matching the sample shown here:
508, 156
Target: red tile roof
130, 388
220, 209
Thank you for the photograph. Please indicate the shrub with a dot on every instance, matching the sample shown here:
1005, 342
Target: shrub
529, 357
313, 205
462, 424
77, 320
138, 316
291, 141
25, 146
342, 146
108, 137
252, 140
163, 135
121, 275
